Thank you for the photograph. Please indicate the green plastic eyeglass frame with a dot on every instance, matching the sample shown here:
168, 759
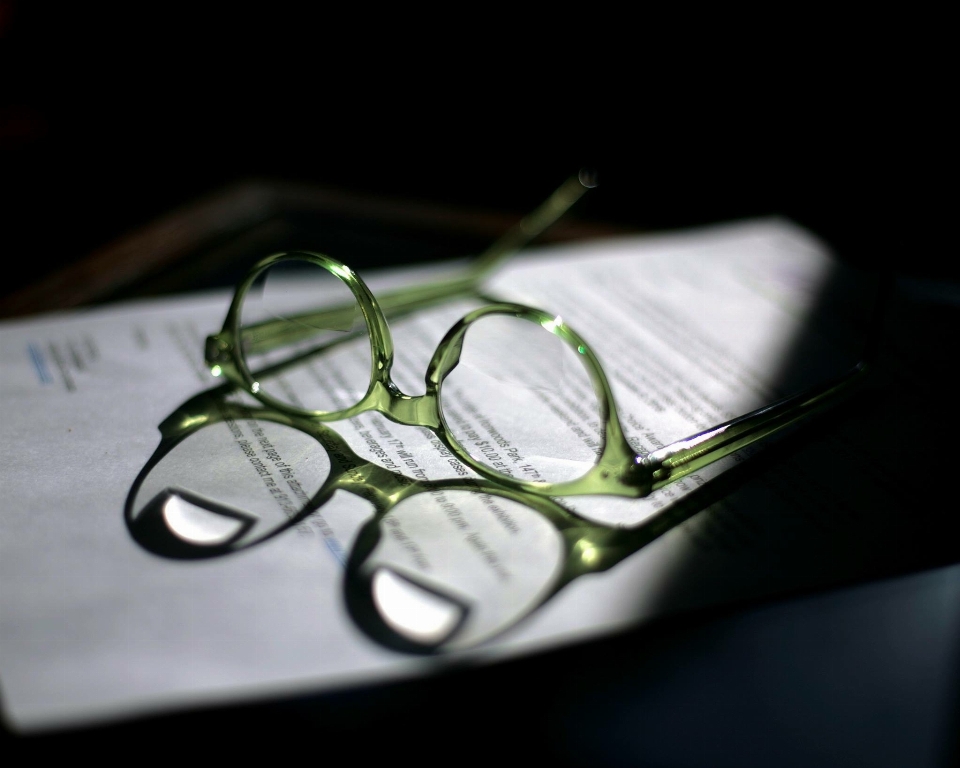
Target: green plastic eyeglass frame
618, 471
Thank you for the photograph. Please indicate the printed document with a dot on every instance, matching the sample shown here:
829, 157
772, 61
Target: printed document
692, 329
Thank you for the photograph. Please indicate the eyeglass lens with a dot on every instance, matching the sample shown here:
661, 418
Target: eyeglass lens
521, 402
317, 357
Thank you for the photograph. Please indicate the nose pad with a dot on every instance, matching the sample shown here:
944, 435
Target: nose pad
181, 525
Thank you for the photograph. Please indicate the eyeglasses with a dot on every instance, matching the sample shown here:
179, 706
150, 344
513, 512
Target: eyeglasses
511, 391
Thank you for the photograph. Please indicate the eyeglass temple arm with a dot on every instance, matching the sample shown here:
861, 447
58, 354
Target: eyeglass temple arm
685, 456
693, 453
270, 334
533, 224
264, 336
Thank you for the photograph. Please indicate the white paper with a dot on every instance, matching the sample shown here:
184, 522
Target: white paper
692, 329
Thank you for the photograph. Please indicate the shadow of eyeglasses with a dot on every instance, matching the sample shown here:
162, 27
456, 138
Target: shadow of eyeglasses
437, 566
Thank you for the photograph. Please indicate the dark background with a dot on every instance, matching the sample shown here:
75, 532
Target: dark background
111, 120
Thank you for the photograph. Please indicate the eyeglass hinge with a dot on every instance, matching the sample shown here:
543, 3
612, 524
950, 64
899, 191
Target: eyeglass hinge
216, 350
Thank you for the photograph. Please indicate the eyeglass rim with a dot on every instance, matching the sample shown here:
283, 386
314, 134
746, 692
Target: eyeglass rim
378, 334
615, 452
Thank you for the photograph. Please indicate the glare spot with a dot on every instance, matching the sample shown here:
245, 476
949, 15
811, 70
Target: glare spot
590, 555
216, 370
255, 387
552, 325
342, 271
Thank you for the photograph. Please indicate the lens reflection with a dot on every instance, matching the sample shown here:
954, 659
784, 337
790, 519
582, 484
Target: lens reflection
413, 610
452, 568
196, 522
521, 402
304, 339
